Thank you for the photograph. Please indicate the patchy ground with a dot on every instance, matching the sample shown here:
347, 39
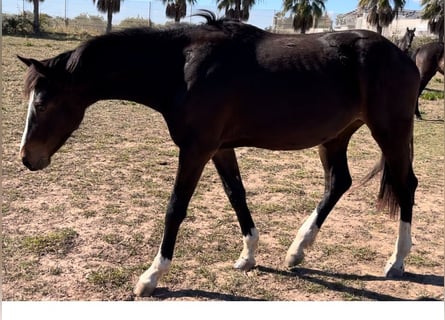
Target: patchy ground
87, 226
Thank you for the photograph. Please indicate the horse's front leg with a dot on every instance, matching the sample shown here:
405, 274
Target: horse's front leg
191, 165
227, 167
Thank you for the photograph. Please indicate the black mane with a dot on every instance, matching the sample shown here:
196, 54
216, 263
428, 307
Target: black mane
208, 15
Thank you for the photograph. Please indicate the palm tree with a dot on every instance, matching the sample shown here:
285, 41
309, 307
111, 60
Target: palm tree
433, 12
109, 7
36, 21
306, 13
236, 9
381, 12
177, 9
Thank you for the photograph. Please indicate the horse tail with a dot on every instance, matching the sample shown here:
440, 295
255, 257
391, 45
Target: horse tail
386, 197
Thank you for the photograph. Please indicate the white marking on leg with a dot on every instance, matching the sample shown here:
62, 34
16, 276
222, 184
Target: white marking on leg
395, 266
149, 279
31, 111
305, 237
246, 261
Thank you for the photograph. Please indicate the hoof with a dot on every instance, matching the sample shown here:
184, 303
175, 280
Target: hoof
392, 272
144, 289
244, 264
293, 260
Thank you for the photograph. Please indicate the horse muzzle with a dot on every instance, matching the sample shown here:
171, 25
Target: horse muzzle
34, 163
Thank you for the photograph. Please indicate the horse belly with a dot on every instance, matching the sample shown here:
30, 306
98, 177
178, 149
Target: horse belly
273, 122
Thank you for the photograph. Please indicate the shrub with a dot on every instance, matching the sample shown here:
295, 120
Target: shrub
14, 24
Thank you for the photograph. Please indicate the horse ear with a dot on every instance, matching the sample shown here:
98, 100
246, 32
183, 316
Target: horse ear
24, 60
414, 29
40, 68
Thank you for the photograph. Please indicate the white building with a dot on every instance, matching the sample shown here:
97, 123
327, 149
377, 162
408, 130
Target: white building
283, 24
357, 19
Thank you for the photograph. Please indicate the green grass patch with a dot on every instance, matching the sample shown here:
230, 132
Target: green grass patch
421, 261
110, 277
112, 238
432, 95
58, 242
363, 254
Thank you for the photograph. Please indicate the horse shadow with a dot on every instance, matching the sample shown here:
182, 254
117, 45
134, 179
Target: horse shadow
318, 277
163, 293
432, 120
433, 90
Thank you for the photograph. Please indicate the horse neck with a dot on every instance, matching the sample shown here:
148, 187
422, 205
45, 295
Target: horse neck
404, 44
150, 73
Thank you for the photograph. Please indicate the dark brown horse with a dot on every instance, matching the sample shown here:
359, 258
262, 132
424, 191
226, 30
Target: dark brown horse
429, 61
226, 84
405, 43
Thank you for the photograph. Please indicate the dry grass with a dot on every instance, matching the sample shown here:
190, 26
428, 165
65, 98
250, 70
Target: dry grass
87, 226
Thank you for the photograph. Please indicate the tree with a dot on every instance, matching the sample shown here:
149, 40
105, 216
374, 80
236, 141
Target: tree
36, 21
381, 12
433, 12
236, 9
177, 9
109, 7
306, 13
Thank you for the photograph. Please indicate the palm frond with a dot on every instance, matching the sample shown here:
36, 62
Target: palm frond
433, 11
105, 5
381, 12
306, 13
230, 7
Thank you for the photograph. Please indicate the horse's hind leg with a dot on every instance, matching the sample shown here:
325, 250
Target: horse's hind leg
227, 167
398, 183
337, 182
398, 186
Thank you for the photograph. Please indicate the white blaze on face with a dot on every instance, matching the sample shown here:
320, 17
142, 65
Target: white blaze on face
31, 111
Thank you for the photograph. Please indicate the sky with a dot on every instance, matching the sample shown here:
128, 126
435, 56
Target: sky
261, 15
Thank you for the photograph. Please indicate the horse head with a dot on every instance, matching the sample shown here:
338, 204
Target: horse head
407, 40
54, 111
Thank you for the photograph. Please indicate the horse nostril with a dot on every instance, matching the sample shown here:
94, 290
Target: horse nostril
26, 163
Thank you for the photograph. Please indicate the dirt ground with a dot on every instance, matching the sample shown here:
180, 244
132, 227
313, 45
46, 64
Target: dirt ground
88, 225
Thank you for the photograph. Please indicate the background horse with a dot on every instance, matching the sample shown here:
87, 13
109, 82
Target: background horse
429, 60
405, 43
226, 84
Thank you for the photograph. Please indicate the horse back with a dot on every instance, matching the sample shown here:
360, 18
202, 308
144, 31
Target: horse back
430, 57
306, 88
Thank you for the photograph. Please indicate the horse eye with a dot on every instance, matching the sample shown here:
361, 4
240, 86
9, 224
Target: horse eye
40, 107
